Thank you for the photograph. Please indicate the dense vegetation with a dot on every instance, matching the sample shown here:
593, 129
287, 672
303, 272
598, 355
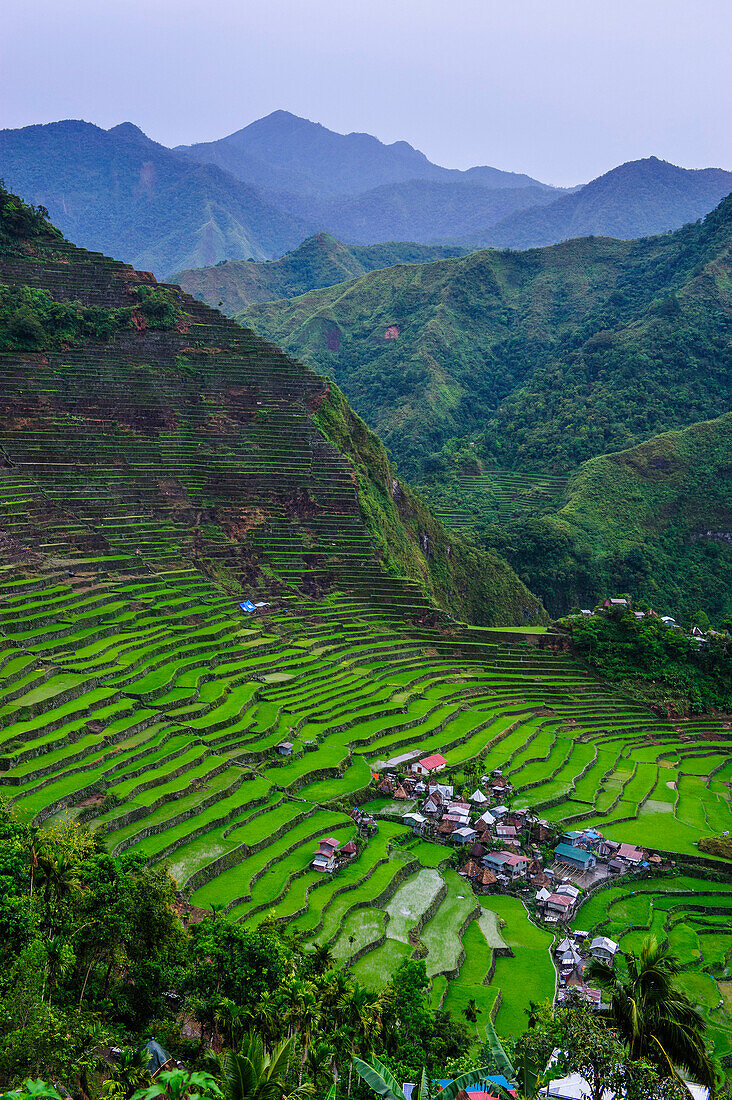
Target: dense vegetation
543, 358
30, 320
655, 521
320, 261
99, 955
95, 955
22, 222
654, 663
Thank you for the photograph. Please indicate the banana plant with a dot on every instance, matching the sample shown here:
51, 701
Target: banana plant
527, 1075
384, 1084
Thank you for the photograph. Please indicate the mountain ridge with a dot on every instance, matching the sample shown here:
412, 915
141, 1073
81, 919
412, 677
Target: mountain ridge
348, 163
535, 352
319, 261
665, 196
119, 192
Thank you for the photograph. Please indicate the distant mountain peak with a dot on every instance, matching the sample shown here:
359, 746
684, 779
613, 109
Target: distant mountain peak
128, 130
292, 155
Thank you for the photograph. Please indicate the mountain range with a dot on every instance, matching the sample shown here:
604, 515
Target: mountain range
283, 152
262, 191
541, 359
116, 191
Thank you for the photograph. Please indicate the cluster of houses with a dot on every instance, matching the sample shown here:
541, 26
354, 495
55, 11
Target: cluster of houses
584, 856
572, 956
623, 605
503, 847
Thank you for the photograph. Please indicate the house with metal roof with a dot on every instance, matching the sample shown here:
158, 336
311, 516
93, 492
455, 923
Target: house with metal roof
575, 857
429, 765
603, 949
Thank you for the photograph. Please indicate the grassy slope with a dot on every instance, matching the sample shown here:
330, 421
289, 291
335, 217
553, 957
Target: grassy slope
548, 357
318, 262
654, 520
468, 330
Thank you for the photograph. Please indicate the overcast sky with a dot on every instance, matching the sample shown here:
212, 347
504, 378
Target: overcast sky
561, 89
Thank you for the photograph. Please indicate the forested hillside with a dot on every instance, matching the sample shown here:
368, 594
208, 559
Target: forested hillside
543, 358
655, 521
320, 261
120, 193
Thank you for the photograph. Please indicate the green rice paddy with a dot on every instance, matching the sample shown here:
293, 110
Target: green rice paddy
136, 695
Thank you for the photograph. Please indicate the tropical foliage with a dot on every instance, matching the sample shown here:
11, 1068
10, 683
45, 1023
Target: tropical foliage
652, 1015
659, 665
95, 956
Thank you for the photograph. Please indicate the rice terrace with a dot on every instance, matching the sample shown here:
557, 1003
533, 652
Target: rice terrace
365, 552
204, 658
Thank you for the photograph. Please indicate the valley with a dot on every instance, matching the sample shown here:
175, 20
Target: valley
222, 615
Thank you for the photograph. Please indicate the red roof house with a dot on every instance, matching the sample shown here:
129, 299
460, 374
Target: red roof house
429, 764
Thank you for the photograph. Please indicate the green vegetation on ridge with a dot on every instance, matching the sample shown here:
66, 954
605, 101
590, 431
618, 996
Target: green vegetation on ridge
654, 521
320, 261
543, 358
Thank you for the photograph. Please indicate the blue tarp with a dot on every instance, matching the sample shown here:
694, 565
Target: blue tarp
497, 1079
247, 605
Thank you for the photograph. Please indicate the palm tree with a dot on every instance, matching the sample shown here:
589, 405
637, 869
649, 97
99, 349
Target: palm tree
231, 1016
363, 1015
57, 879
652, 1015
130, 1074
322, 957
253, 1074
308, 1019
319, 1062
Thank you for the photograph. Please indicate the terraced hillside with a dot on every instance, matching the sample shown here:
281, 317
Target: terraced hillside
151, 482
693, 915
498, 496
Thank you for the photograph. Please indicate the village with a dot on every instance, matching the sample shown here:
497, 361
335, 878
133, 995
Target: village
623, 605
497, 849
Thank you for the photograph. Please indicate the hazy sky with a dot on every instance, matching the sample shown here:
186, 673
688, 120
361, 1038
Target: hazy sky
562, 89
